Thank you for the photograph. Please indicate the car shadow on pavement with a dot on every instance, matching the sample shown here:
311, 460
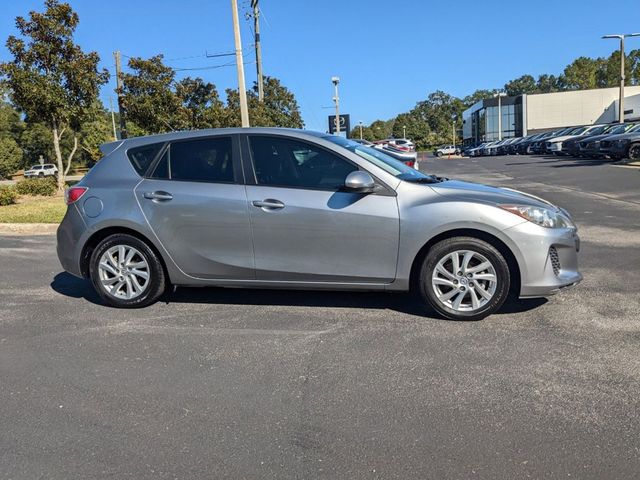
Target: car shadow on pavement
70, 286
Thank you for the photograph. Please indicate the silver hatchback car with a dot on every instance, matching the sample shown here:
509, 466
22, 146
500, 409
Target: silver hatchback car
280, 208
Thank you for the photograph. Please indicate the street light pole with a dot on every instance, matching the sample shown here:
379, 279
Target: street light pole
404, 131
336, 99
242, 91
360, 125
621, 37
500, 95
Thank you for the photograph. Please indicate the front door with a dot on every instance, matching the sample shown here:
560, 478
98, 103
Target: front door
197, 207
306, 227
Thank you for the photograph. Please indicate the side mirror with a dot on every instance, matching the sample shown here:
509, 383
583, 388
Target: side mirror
359, 181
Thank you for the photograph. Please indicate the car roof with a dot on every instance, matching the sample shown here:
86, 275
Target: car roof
107, 148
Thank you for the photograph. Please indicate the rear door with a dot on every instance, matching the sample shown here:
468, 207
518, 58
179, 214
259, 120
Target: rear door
195, 202
306, 227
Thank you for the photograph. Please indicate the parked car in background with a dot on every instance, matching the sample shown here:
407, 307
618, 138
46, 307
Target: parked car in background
477, 150
305, 210
555, 145
590, 147
447, 150
539, 146
503, 148
406, 157
46, 170
572, 146
403, 143
623, 145
524, 147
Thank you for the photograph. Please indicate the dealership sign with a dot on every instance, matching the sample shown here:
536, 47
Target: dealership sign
345, 124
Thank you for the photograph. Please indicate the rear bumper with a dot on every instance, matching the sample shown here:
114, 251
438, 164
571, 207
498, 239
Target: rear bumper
68, 244
540, 275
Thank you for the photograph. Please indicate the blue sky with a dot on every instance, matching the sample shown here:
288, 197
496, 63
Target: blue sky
389, 55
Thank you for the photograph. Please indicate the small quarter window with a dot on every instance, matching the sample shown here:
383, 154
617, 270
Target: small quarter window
141, 157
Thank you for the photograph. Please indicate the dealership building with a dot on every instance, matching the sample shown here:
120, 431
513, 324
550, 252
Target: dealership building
528, 114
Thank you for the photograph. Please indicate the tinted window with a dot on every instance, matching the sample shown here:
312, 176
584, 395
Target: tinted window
141, 157
205, 160
290, 163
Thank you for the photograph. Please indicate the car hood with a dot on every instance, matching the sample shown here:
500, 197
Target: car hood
487, 194
594, 138
563, 138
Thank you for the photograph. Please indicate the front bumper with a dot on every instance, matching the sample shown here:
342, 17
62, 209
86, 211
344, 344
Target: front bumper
548, 258
614, 149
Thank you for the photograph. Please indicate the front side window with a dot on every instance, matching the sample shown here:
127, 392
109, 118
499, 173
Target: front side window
287, 162
202, 160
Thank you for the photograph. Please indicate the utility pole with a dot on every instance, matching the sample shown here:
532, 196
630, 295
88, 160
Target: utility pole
256, 29
242, 92
404, 131
336, 99
360, 125
113, 119
621, 37
123, 125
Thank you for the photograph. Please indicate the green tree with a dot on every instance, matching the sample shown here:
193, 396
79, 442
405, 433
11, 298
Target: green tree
148, 98
279, 108
51, 79
201, 104
36, 140
439, 111
10, 156
520, 85
94, 133
584, 73
548, 84
477, 96
11, 124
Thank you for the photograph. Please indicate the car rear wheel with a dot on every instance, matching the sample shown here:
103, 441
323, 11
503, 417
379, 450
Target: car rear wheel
438, 154
464, 278
126, 273
634, 151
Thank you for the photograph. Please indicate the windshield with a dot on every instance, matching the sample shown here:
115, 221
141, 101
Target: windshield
382, 160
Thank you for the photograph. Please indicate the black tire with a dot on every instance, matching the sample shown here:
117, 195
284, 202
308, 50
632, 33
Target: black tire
156, 282
634, 152
448, 246
41, 175
438, 154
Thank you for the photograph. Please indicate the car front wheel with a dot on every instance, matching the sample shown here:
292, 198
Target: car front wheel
125, 272
464, 278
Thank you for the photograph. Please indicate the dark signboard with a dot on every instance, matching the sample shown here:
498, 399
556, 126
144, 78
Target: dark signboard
345, 124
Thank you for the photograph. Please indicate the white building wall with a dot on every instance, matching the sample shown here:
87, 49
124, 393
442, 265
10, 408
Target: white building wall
582, 107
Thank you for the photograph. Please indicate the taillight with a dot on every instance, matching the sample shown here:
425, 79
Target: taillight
409, 164
73, 194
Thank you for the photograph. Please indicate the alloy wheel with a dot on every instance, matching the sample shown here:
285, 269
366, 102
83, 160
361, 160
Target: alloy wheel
123, 272
464, 281
634, 152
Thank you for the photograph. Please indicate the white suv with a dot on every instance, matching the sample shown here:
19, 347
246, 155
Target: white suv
446, 150
46, 170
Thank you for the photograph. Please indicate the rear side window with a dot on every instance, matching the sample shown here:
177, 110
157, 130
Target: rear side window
141, 157
203, 160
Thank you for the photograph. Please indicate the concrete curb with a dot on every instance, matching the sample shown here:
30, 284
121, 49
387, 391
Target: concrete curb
28, 228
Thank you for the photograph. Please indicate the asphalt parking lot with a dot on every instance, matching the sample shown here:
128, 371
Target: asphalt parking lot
215, 383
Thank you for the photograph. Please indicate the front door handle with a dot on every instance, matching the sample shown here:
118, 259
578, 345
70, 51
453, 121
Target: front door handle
269, 204
158, 195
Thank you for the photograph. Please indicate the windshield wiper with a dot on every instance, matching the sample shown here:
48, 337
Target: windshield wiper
429, 179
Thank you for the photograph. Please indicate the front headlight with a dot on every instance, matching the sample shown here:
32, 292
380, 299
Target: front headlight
545, 217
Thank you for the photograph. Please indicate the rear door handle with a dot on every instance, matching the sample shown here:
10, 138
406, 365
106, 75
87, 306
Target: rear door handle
158, 195
269, 204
